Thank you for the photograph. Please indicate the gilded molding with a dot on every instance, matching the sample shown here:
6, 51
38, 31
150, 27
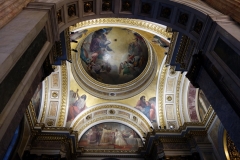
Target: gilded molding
208, 119
108, 151
107, 118
46, 81
225, 144
161, 95
177, 99
64, 78
232, 151
165, 139
68, 46
171, 47
109, 107
32, 112
134, 23
29, 118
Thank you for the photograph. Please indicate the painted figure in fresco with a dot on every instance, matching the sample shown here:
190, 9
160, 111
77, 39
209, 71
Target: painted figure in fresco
107, 136
134, 52
152, 115
146, 107
77, 105
78, 34
92, 136
135, 59
99, 41
163, 43
119, 140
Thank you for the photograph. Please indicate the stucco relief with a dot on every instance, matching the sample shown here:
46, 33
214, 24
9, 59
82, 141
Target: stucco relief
53, 107
169, 111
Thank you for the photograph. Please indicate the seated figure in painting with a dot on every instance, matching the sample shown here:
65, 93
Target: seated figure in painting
99, 40
77, 107
146, 107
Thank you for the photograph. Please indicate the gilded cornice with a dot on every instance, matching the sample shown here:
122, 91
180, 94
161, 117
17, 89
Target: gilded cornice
161, 95
171, 47
165, 139
68, 46
30, 122
64, 79
32, 112
231, 151
206, 123
109, 151
130, 23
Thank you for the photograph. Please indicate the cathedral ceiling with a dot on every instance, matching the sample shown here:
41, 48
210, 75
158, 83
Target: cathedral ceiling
113, 100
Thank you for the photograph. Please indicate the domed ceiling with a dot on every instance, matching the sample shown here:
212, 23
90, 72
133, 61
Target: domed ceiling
113, 62
114, 55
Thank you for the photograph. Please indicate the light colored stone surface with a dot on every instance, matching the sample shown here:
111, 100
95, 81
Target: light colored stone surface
17, 36
10, 9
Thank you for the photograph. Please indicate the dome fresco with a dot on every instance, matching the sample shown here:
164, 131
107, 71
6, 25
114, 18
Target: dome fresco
114, 55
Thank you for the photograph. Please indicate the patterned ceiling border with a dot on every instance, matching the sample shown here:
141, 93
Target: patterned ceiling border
64, 84
124, 22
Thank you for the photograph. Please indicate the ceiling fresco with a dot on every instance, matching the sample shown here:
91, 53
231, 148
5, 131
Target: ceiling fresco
114, 55
100, 54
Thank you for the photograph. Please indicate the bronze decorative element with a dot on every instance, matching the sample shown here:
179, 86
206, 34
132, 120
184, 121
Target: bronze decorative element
50, 122
198, 26
107, 5
146, 8
59, 16
169, 98
232, 152
72, 10
165, 12
183, 18
126, 5
54, 94
88, 117
88, 7
111, 111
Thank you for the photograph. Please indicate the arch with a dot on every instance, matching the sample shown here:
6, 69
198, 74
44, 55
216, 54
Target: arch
111, 112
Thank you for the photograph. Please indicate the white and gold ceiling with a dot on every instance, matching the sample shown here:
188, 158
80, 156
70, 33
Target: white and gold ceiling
111, 92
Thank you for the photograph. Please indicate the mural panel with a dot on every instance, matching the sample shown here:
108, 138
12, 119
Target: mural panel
77, 104
148, 108
110, 136
114, 55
